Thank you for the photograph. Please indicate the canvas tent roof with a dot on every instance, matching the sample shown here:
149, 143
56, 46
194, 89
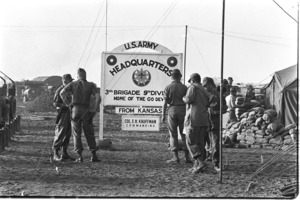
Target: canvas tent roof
282, 94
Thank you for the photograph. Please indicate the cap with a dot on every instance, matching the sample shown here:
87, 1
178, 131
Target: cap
230, 78
208, 80
195, 76
80, 70
67, 77
175, 72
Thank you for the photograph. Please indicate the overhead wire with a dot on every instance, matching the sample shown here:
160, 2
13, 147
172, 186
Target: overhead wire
93, 43
244, 38
285, 11
195, 43
161, 19
90, 35
151, 32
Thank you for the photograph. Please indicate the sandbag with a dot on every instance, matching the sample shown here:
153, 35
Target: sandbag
265, 140
259, 121
276, 140
250, 134
288, 141
249, 131
250, 142
254, 128
243, 133
275, 125
259, 110
249, 138
260, 132
259, 140
252, 114
289, 127
256, 146
236, 125
287, 137
259, 136
240, 137
244, 115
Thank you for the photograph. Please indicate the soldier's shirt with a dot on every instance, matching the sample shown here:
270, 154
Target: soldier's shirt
81, 91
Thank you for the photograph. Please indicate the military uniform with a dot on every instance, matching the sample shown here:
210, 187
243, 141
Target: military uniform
196, 121
62, 124
173, 95
81, 117
214, 136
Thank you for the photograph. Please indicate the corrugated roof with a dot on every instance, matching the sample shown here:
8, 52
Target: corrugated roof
41, 78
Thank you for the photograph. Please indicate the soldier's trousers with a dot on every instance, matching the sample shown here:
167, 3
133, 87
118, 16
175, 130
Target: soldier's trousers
176, 119
82, 119
195, 141
62, 130
214, 139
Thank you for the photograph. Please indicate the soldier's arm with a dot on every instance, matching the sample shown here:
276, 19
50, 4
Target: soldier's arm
190, 95
64, 93
165, 104
97, 95
56, 102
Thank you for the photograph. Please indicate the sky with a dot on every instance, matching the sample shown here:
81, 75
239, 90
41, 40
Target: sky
54, 37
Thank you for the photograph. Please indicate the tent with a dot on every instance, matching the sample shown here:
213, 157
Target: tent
282, 94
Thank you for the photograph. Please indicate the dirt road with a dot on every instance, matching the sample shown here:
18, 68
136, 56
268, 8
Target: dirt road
136, 168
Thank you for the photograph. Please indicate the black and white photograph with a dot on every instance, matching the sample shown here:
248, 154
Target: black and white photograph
149, 99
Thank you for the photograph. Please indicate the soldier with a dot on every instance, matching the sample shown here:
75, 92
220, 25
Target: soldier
214, 110
81, 91
173, 94
196, 121
63, 123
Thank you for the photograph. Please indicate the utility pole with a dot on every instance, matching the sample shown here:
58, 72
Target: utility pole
221, 95
185, 44
106, 26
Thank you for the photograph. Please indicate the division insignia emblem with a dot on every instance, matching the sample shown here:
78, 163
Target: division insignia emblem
141, 77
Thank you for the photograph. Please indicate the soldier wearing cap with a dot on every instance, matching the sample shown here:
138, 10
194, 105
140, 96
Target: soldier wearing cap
81, 91
62, 124
214, 110
196, 121
173, 94
230, 102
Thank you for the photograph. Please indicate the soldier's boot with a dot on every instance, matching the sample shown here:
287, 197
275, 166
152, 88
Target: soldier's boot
56, 156
94, 157
79, 158
201, 166
66, 156
175, 158
194, 166
187, 157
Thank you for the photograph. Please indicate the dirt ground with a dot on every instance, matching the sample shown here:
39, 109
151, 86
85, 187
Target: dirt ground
135, 168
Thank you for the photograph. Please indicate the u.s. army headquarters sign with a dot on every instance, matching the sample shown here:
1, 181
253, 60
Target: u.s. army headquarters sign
136, 78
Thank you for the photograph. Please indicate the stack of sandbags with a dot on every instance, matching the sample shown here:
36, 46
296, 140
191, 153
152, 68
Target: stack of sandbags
258, 131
